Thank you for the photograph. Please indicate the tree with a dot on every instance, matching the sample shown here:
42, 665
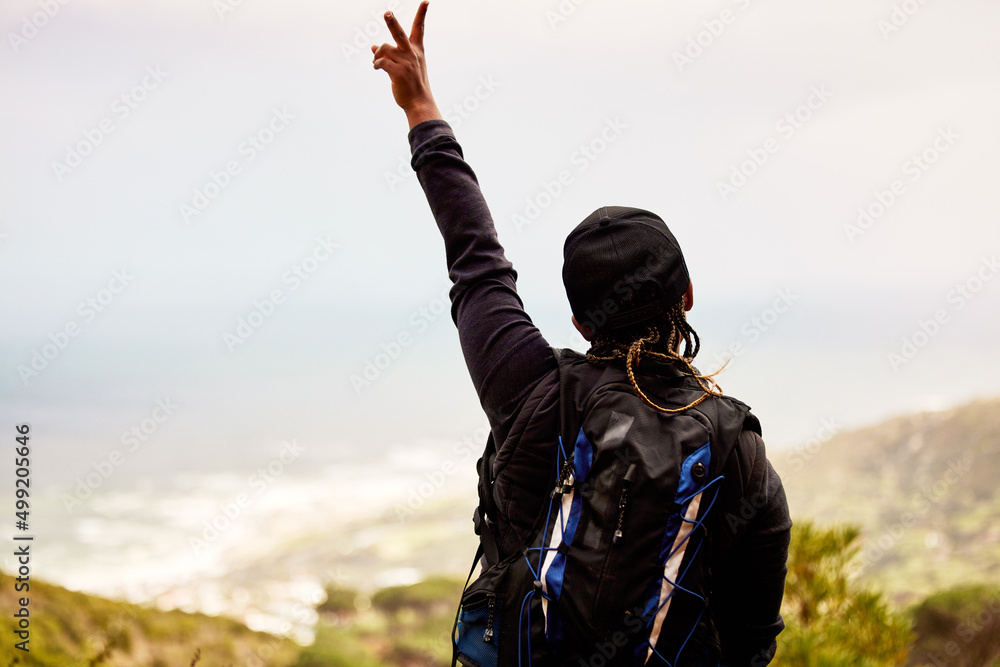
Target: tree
830, 620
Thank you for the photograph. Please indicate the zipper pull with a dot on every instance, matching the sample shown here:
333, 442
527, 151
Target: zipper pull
565, 483
621, 515
623, 502
488, 635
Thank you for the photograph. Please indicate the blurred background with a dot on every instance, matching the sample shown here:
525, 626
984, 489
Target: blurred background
224, 302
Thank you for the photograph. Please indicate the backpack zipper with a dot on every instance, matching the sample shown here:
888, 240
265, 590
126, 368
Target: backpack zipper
488, 635
623, 502
564, 485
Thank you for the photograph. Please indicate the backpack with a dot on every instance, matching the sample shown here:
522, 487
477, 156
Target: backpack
615, 571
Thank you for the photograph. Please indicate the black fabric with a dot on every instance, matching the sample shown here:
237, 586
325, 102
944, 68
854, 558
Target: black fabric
611, 258
484, 519
515, 376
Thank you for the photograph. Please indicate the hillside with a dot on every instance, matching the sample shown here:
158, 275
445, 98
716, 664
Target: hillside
923, 488
403, 626
409, 626
70, 628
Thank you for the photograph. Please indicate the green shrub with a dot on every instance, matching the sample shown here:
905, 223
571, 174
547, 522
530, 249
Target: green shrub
830, 621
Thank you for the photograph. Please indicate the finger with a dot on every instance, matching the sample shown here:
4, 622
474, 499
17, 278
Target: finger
383, 58
390, 66
386, 50
396, 30
417, 31
384, 54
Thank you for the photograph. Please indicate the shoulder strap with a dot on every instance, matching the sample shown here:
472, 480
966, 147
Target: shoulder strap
565, 402
484, 517
568, 416
750, 422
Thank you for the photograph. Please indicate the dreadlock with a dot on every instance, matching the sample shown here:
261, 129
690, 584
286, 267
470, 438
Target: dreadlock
649, 340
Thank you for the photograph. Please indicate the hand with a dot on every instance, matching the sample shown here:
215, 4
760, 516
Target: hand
407, 68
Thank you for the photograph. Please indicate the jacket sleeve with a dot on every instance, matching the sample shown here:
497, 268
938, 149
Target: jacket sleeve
750, 582
505, 353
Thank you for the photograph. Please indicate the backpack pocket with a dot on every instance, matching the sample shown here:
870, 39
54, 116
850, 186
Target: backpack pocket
478, 636
611, 592
500, 621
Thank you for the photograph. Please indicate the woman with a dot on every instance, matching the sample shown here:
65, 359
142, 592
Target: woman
629, 289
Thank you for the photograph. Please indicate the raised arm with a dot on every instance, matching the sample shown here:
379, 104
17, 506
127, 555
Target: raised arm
505, 353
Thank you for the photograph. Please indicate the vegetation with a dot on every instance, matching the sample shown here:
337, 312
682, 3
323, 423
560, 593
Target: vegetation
70, 629
830, 621
959, 628
405, 625
922, 488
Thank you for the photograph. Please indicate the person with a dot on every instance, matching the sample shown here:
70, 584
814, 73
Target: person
629, 292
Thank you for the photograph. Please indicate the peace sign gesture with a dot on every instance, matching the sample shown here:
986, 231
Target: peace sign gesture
407, 68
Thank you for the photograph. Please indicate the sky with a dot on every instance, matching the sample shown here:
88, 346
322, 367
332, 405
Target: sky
211, 242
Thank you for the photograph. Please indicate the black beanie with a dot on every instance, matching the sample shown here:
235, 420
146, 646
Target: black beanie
614, 260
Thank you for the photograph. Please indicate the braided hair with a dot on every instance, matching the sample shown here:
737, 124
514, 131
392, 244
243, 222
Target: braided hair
659, 339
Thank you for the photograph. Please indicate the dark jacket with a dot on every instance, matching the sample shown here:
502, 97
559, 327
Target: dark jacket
515, 375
